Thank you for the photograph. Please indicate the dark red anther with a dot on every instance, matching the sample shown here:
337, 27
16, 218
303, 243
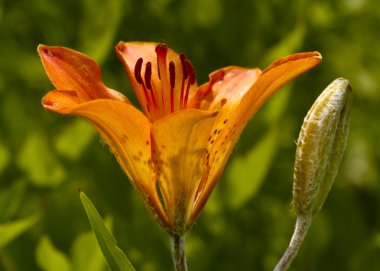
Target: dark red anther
191, 71
172, 84
184, 70
190, 81
148, 75
172, 74
138, 70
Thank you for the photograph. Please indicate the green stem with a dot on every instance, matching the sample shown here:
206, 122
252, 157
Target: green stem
300, 231
178, 252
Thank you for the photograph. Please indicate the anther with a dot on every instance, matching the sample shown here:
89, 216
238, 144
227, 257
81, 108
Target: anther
172, 84
191, 80
191, 71
148, 82
184, 74
184, 70
148, 75
138, 70
172, 74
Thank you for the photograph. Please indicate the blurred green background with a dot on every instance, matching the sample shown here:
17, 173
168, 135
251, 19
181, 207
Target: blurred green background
45, 158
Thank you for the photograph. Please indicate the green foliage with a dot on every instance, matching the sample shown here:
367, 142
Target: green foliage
4, 157
77, 133
114, 255
11, 230
49, 258
243, 181
86, 254
45, 158
39, 164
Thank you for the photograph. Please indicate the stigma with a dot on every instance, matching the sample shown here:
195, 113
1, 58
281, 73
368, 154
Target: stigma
166, 84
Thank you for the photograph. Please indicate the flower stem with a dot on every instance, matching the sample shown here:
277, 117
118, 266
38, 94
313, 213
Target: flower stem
300, 231
178, 252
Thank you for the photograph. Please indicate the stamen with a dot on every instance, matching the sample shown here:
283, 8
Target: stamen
184, 73
161, 51
184, 70
191, 80
148, 75
172, 74
161, 48
141, 82
191, 71
172, 84
148, 78
138, 70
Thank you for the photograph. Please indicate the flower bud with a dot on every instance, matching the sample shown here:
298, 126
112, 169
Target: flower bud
320, 147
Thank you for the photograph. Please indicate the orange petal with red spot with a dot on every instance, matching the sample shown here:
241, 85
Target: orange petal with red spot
226, 87
127, 132
180, 141
232, 119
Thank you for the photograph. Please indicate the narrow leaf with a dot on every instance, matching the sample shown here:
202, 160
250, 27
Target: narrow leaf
114, 255
11, 230
86, 254
49, 258
251, 170
11, 199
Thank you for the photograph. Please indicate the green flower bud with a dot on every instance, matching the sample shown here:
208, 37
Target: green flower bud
320, 147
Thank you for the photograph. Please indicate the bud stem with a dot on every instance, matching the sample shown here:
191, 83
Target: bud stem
178, 252
300, 231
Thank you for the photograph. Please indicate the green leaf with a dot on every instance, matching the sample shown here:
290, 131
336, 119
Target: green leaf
39, 163
252, 167
73, 140
49, 258
288, 45
11, 198
246, 173
86, 254
4, 157
98, 29
114, 255
11, 230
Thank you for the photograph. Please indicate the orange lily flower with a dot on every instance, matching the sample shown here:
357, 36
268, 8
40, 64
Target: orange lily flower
175, 149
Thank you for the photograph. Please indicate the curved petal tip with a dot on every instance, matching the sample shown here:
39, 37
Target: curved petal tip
313, 58
60, 101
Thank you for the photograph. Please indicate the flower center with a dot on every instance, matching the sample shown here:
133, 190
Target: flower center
167, 90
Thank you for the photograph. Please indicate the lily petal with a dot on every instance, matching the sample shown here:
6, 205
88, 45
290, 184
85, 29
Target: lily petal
127, 132
226, 86
61, 101
71, 70
180, 141
232, 119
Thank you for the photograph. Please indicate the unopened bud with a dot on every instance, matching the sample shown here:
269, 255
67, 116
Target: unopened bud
320, 147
